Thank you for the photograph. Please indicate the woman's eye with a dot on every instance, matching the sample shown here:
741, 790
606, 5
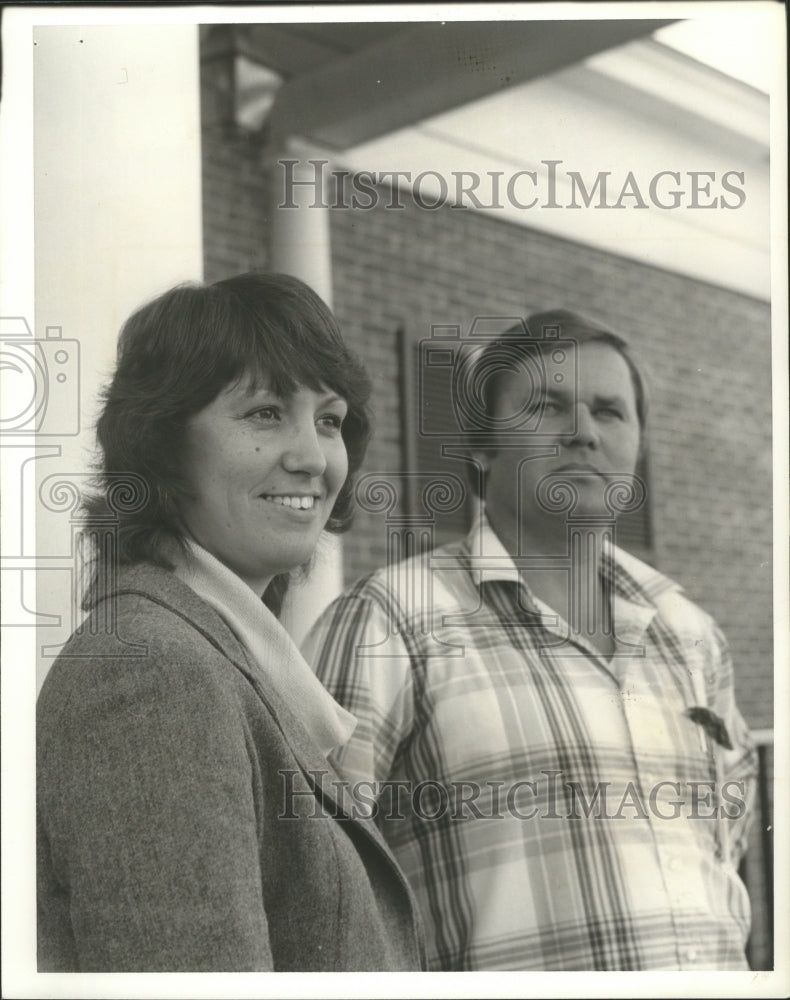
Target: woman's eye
609, 413
331, 420
266, 414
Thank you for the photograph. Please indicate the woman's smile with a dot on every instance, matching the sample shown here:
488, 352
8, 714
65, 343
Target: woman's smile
292, 501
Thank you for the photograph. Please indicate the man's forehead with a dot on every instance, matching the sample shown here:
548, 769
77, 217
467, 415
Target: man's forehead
568, 367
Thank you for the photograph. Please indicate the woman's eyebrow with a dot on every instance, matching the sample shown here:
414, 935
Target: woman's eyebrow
333, 397
252, 388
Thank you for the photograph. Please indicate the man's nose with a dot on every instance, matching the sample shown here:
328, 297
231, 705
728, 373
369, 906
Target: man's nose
585, 430
303, 451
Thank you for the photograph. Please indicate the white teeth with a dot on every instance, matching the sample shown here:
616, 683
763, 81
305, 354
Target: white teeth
302, 503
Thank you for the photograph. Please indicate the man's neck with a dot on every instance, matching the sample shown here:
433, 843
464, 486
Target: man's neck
576, 573
547, 538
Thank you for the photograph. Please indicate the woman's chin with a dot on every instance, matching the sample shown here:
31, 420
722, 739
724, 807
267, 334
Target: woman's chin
294, 562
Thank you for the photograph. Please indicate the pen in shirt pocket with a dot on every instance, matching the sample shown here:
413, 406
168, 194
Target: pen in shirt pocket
709, 722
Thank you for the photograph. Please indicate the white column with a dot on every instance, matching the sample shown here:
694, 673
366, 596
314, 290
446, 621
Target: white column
117, 163
300, 245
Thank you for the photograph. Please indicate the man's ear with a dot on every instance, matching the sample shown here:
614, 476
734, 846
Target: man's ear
480, 458
641, 454
477, 471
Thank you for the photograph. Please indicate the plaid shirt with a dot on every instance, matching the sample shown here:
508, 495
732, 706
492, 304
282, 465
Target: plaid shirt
559, 810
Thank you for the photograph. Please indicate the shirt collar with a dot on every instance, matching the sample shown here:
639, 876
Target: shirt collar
490, 559
632, 578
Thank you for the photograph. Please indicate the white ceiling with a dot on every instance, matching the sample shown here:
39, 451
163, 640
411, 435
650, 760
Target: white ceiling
643, 107
739, 46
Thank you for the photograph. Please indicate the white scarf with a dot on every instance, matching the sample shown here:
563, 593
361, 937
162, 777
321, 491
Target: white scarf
268, 644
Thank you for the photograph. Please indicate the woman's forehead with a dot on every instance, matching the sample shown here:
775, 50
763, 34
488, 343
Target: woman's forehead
268, 379
255, 383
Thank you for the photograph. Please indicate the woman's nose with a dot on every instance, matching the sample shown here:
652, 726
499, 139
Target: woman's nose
303, 451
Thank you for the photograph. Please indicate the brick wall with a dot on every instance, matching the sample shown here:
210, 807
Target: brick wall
706, 350
234, 204
707, 354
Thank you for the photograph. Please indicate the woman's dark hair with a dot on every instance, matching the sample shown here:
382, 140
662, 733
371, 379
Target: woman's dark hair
175, 355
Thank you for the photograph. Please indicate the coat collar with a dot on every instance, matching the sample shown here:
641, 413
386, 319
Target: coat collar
163, 587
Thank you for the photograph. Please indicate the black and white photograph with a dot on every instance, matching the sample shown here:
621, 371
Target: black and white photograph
395, 500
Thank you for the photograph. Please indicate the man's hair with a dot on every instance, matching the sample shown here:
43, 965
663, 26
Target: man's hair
175, 355
502, 355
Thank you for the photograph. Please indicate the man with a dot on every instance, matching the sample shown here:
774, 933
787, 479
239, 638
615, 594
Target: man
550, 741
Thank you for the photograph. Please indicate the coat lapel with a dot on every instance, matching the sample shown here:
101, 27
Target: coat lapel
162, 586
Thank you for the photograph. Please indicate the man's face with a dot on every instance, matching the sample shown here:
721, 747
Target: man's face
593, 428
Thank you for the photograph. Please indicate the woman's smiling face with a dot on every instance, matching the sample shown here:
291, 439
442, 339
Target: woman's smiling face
264, 472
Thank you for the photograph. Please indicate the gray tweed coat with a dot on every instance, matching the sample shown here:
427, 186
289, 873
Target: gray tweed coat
163, 780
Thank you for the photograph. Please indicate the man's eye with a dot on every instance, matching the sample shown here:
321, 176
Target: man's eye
547, 408
609, 413
538, 405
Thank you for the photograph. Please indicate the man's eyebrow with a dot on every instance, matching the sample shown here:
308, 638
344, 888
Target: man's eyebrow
561, 394
609, 401
551, 392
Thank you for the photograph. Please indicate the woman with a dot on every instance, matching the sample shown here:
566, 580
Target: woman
187, 818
